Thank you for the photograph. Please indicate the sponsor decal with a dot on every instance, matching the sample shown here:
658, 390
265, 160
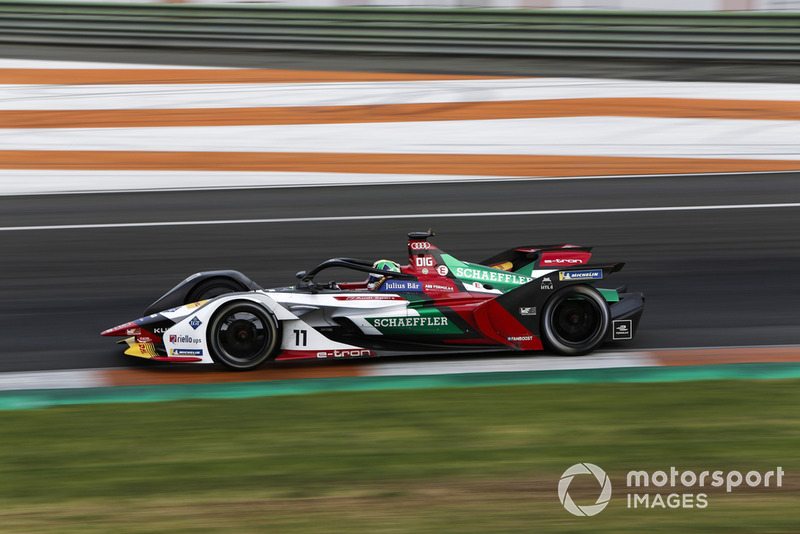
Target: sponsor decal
370, 297
146, 339
195, 304
401, 285
562, 261
547, 283
186, 352
195, 323
406, 322
419, 245
425, 324
520, 338
527, 310
594, 274
438, 287
424, 261
143, 348
565, 258
478, 287
442, 270
623, 329
172, 310
182, 338
503, 266
160, 330
345, 353
491, 276
133, 331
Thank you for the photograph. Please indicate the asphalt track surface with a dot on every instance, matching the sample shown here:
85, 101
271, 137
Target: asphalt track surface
713, 277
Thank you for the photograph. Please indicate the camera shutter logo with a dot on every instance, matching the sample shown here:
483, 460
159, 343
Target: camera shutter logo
584, 469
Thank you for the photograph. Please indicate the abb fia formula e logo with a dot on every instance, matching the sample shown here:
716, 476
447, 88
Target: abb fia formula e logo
584, 469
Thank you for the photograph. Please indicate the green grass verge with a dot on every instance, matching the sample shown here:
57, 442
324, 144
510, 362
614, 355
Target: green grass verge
479, 460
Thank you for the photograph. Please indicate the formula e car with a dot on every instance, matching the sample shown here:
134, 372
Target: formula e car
525, 298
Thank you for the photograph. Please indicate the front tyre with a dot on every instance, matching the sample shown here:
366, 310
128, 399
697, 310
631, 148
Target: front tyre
211, 288
575, 320
243, 335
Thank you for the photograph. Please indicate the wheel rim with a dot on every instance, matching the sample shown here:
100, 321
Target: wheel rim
243, 336
576, 321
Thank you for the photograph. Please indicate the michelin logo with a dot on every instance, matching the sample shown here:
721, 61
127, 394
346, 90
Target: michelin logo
594, 274
186, 352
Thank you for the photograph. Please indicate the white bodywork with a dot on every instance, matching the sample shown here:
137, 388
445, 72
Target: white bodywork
300, 314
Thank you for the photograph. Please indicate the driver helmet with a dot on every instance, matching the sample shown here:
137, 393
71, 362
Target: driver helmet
374, 280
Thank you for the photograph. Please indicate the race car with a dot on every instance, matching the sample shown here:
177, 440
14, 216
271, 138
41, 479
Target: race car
525, 298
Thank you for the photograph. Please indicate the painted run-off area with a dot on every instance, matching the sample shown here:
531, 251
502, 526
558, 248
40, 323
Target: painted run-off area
161, 375
288, 371
127, 118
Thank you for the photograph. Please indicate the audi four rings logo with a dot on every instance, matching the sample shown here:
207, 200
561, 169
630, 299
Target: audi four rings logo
584, 469
420, 245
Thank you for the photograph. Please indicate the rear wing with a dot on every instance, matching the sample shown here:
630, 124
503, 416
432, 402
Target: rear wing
526, 259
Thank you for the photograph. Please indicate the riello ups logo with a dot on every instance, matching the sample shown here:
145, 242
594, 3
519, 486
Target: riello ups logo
663, 489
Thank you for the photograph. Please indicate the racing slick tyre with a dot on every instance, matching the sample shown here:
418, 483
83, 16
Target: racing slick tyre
243, 335
213, 287
575, 320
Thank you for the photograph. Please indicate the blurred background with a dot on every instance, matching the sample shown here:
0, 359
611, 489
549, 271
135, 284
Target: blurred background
142, 142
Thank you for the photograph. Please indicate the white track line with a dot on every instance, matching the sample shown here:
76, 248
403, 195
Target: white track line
505, 365
43, 182
66, 379
399, 216
33, 182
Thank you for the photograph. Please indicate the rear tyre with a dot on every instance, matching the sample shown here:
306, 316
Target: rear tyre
575, 320
243, 335
213, 287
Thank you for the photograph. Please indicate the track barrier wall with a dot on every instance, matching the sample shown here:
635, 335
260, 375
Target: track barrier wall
733, 36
